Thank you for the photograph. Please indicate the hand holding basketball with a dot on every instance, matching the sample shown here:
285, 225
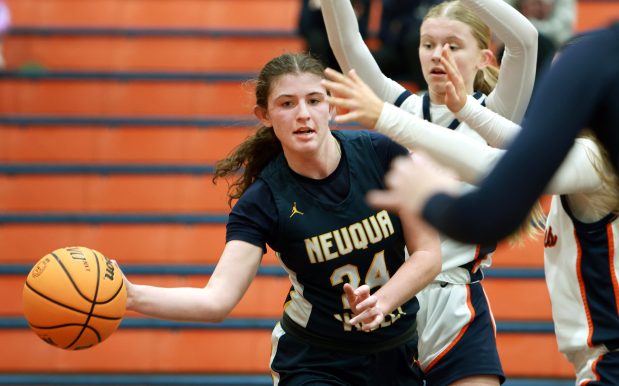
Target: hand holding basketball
74, 298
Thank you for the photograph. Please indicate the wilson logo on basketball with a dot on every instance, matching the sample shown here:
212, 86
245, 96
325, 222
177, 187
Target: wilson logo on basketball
40, 267
550, 239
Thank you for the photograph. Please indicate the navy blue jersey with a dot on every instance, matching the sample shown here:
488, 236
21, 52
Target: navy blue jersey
254, 217
324, 241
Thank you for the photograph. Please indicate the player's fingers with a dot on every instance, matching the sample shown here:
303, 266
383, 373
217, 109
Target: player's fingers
334, 74
362, 317
356, 80
453, 74
350, 116
352, 299
367, 303
363, 291
337, 77
341, 101
383, 199
337, 88
374, 324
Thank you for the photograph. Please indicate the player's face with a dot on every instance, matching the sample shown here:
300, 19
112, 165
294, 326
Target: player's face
435, 33
298, 112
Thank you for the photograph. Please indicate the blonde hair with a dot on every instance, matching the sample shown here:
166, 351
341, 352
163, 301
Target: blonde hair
607, 173
486, 78
608, 197
533, 226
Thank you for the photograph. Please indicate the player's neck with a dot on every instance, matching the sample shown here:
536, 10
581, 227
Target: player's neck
319, 165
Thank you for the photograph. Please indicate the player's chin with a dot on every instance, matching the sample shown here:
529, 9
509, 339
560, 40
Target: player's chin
437, 86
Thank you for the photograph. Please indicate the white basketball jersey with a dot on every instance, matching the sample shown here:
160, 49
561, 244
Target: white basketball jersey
582, 271
461, 262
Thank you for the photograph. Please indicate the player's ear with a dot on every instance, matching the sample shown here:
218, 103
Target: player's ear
262, 115
487, 59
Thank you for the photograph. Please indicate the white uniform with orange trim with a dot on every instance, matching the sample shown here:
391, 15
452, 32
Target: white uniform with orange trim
447, 308
582, 274
581, 262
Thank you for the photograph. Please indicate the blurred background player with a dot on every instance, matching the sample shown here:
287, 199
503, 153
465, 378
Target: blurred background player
311, 28
555, 22
5, 24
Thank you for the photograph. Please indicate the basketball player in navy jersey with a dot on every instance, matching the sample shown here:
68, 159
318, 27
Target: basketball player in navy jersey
302, 192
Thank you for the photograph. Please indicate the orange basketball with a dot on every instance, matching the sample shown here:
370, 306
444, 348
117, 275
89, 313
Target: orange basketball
74, 298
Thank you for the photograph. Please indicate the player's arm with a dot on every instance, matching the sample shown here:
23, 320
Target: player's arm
547, 135
494, 128
351, 51
421, 267
236, 269
513, 91
470, 159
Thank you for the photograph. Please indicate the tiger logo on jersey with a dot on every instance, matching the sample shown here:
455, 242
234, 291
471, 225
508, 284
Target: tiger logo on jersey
550, 239
295, 210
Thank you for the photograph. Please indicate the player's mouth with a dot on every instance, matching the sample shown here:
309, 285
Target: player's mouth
304, 131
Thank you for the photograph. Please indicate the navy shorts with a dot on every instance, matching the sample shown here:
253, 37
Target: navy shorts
606, 370
295, 363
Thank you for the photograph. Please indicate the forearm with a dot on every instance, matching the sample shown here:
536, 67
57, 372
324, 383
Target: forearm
185, 304
517, 76
471, 160
235, 270
577, 173
414, 275
421, 267
494, 128
351, 51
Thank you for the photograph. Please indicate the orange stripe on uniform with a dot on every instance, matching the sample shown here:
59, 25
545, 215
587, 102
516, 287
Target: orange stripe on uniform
595, 373
478, 259
611, 262
460, 334
581, 284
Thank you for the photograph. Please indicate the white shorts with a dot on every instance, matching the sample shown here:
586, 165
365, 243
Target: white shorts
457, 333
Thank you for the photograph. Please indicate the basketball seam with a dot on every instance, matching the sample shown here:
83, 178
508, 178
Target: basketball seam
67, 306
92, 303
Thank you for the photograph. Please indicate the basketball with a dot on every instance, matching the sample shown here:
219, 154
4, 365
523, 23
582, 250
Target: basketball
74, 298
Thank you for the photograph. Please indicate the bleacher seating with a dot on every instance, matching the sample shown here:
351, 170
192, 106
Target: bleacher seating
112, 114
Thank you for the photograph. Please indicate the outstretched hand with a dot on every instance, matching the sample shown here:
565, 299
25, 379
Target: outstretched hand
455, 90
364, 306
410, 182
355, 101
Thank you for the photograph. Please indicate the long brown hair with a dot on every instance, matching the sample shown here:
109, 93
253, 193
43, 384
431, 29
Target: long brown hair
253, 154
486, 78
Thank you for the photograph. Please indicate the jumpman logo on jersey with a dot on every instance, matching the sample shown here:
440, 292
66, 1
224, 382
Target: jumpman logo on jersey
295, 210
550, 239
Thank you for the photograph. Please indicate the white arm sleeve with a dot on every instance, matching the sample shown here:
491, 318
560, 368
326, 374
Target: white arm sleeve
469, 158
577, 173
511, 96
351, 51
472, 160
495, 129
